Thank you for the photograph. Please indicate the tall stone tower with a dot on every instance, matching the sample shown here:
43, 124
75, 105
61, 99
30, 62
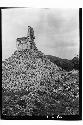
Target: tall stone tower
26, 42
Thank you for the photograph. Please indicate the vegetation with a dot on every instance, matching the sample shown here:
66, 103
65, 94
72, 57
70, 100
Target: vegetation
65, 64
33, 85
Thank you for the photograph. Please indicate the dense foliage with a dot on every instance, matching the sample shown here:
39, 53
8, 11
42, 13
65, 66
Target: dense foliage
33, 85
65, 64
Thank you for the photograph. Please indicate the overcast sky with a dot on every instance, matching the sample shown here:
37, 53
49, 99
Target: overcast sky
56, 30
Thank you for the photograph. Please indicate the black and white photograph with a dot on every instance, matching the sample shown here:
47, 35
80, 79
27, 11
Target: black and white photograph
41, 64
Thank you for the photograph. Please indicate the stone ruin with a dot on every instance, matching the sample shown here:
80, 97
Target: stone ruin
26, 42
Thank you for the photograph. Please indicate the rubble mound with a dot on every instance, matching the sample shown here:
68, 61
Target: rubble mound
33, 85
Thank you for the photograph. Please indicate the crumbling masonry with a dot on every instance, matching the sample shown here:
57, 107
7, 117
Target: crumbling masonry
26, 42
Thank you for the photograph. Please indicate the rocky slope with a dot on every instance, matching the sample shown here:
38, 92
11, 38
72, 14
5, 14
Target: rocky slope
33, 85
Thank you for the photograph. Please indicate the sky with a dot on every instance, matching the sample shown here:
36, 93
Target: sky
56, 30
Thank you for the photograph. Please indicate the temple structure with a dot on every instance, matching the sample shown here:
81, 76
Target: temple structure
26, 42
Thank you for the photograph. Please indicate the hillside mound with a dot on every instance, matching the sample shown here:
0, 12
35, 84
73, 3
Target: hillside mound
33, 85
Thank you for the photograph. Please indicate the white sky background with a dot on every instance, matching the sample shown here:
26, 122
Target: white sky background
56, 30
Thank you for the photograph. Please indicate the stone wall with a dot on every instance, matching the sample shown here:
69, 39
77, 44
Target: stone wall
26, 42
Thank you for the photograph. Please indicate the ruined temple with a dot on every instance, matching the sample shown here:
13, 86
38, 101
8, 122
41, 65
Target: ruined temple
26, 42
32, 85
